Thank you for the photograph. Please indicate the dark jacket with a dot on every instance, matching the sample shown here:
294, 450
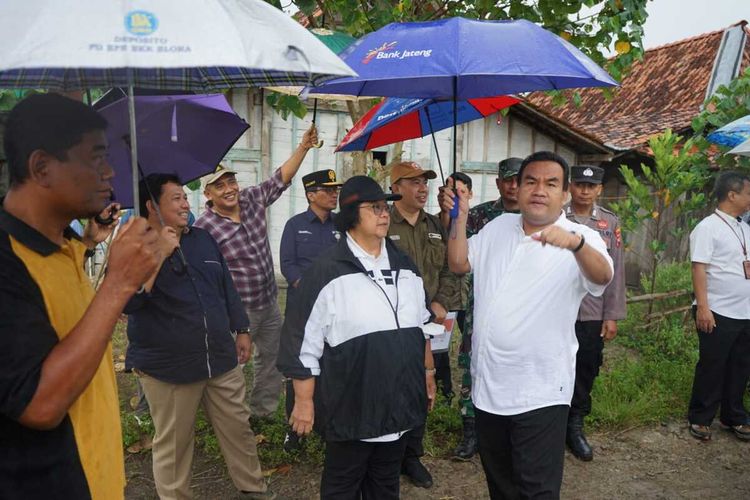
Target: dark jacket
166, 332
369, 361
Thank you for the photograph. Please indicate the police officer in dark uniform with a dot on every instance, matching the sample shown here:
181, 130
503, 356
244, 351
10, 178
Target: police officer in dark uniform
305, 237
308, 234
598, 316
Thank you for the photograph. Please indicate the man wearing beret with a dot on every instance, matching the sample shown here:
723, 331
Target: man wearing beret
598, 316
305, 237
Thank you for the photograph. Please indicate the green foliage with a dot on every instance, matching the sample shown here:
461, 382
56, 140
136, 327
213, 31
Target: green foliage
135, 427
194, 185
649, 371
665, 200
728, 103
286, 104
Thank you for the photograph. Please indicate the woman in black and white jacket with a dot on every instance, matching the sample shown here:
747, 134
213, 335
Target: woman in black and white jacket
355, 346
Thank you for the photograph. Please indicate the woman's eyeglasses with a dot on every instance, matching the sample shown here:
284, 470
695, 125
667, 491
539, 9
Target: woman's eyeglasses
377, 208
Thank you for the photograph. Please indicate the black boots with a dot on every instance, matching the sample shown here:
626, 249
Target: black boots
468, 446
416, 472
576, 440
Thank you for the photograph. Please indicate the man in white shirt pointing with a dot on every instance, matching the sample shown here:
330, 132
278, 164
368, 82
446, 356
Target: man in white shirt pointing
531, 271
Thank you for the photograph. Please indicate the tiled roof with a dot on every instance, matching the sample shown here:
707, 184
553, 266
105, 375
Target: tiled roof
664, 90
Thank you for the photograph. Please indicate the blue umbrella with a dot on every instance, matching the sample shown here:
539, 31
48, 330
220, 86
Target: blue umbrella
732, 134
463, 59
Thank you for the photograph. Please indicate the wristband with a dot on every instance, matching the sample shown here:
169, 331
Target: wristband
580, 245
430, 371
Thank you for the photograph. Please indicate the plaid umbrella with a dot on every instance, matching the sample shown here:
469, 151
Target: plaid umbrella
190, 79
193, 45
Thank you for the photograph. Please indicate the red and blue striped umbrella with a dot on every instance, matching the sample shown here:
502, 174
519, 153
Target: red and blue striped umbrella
400, 119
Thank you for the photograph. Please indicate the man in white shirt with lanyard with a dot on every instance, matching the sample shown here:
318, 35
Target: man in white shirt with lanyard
719, 247
531, 271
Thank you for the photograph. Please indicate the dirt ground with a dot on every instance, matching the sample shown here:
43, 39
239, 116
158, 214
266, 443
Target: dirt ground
661, 462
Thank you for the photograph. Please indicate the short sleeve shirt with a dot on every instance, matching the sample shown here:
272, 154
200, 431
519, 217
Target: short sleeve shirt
526, 300
717, 242
44, 292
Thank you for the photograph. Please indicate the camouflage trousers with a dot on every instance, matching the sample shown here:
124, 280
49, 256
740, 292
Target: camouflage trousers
465, 404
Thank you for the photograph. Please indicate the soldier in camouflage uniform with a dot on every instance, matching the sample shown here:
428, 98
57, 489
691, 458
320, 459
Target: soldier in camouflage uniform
479, 216
598, 316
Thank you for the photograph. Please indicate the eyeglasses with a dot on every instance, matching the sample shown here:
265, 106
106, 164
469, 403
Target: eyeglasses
327, 190
378, 209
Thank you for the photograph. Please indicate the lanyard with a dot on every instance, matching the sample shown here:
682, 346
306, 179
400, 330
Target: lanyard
742, 239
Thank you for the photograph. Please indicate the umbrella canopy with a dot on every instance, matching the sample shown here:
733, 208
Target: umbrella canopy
187, 45
743, 149
399, 119
732, 134
337, 42
185, 135
462, 58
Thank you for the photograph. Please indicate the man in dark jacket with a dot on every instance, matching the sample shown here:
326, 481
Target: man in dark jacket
187, 331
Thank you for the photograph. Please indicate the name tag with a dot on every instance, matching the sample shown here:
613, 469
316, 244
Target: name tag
395, 237
435, 236
303, 231
746, 267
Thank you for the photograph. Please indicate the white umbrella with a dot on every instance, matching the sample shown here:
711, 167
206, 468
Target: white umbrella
197, 45
743, 149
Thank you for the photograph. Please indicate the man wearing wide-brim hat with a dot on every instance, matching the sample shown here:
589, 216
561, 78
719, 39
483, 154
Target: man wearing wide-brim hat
236, 218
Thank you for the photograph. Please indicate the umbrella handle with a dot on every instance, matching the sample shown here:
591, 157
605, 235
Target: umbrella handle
315, 115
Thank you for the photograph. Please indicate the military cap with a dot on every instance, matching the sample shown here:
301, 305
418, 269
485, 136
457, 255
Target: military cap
320, 178
509, 167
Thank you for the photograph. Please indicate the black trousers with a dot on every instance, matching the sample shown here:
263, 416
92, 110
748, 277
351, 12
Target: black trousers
721, 373
414, 447
523, 455
356, 469
588, 361
443, 373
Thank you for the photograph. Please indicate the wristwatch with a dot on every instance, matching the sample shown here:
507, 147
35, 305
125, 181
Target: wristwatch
242, 331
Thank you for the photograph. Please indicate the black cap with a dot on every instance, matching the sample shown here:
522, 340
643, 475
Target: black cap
586, 173
320, 178
460, 176
509, 167
362, 188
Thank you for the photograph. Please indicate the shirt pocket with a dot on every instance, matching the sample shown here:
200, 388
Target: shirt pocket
435, 255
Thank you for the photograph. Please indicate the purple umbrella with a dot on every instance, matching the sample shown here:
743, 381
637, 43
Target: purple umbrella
184, 135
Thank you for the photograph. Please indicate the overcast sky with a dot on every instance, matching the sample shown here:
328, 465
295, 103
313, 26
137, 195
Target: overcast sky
672, 20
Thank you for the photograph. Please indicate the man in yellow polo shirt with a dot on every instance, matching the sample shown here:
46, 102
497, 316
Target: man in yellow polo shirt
59, 419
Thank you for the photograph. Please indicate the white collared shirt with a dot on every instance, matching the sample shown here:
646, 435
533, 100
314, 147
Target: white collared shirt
715, 241
526, 300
